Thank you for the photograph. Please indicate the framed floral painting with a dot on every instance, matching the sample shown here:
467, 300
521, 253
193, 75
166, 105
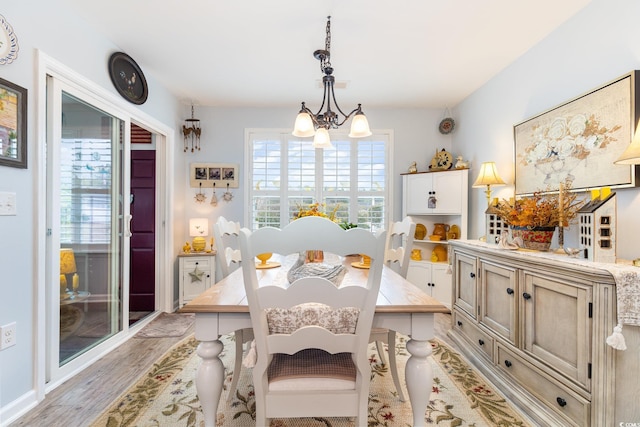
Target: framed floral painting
578, 141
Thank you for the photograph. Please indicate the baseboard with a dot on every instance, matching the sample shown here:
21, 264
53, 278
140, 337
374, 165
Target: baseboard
14, 410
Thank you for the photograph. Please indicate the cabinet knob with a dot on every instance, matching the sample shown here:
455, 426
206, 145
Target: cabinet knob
510, 291
197, 263
208, 275
507, 363
526, 295
459, 323
561, 401
472, 275
481, 342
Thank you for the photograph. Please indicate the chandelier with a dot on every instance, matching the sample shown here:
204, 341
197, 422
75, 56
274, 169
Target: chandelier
318, 124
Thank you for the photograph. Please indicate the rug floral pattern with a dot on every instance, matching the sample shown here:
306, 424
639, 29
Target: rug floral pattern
166, 395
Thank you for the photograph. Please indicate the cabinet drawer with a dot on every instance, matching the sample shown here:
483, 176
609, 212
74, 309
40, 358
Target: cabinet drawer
203, 263
480, 340
572, 407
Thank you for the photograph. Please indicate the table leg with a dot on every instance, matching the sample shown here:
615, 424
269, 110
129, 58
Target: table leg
210, 379
419, 378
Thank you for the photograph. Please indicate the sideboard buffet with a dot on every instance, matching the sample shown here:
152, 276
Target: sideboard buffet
536, 325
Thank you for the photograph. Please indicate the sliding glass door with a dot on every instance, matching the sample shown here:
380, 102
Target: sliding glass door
88, 244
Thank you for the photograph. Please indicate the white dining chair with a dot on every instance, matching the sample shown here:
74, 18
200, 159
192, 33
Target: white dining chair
397, 256
229, 258
311, 336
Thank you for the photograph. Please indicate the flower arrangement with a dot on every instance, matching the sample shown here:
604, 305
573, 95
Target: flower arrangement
541, 210
572, 136
316, 209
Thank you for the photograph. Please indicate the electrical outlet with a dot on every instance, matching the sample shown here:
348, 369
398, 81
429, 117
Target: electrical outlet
7, 335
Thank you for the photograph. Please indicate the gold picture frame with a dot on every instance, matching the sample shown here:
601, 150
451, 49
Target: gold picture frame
13, 125
579, 141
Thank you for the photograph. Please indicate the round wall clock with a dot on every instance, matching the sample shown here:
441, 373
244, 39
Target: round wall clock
128, 79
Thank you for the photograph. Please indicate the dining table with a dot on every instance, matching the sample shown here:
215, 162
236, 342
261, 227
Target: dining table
401, 307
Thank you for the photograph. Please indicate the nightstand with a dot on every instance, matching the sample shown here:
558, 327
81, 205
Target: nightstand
196, 274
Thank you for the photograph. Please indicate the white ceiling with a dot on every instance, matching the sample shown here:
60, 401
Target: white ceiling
406, 53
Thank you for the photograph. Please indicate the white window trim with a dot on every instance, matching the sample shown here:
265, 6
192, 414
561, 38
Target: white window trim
284, 132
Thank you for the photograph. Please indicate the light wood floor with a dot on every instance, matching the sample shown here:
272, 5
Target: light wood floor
81, 399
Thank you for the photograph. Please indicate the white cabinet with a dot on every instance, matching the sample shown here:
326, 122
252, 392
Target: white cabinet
430, 198
196, 275
433, 279
435, 192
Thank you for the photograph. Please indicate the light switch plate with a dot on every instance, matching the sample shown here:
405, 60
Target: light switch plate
7, 203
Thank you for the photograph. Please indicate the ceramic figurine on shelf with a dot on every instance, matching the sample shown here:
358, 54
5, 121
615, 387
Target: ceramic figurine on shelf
413, 168
186, 248
462, 164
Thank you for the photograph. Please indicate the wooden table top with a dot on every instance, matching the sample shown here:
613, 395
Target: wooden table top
397, 295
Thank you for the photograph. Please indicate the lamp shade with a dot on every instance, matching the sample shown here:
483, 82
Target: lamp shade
359, 126
303, 126
198, 227
67, 261
631, 156
488, 175
322, 139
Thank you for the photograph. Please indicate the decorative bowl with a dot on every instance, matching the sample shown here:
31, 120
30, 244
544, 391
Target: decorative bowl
435, 238
264, 257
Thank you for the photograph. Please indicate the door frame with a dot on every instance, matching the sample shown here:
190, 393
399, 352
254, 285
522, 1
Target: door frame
43, 305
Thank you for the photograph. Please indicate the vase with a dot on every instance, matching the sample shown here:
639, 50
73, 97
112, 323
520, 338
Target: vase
314, 256
536, 238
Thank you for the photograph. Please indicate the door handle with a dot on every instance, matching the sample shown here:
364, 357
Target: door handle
526, 295
472, 275
129, 233
510, 291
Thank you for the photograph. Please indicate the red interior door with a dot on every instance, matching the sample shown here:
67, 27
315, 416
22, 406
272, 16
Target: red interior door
142, 277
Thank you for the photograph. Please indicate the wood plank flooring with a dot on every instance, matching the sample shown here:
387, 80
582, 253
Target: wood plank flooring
80, 400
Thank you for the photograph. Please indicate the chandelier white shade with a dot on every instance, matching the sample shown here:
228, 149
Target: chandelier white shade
309, 124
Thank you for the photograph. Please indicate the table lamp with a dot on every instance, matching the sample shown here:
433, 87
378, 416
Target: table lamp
488, 176
198, 229
67, 267
631, 156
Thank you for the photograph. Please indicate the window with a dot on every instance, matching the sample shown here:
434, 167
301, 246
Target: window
286, 174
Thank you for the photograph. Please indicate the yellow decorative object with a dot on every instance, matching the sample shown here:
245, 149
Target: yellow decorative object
186, 248
435, 238
67, 261
434, 257
440, 252
440, 229
264, 257
199, 229
456, 230
75, 282
421, 232
63, 283
416, 254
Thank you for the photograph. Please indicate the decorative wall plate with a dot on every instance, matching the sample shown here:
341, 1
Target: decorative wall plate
128, 79
446, 126
8, 42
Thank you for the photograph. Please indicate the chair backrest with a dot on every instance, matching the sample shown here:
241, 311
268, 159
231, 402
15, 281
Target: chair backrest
226, 234
311, 233
399, 244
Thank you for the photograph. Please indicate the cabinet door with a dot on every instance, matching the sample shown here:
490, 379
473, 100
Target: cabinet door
557, 326
466, 292
441, 284
498, 288
196, 277
447, 188
419, 274
417, 192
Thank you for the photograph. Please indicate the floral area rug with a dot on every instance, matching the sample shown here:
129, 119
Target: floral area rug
166, 395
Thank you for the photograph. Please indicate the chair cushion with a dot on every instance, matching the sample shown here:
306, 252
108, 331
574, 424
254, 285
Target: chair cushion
312, 364
341, 320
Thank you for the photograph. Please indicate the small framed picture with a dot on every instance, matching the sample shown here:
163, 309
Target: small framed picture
13, 125
208, 175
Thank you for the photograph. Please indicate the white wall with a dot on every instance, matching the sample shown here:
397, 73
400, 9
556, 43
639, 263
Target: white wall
415, 132
58, 33
599, 44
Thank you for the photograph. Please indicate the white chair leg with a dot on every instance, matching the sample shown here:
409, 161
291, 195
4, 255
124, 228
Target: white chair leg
393, 367
237, 364
380, 349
